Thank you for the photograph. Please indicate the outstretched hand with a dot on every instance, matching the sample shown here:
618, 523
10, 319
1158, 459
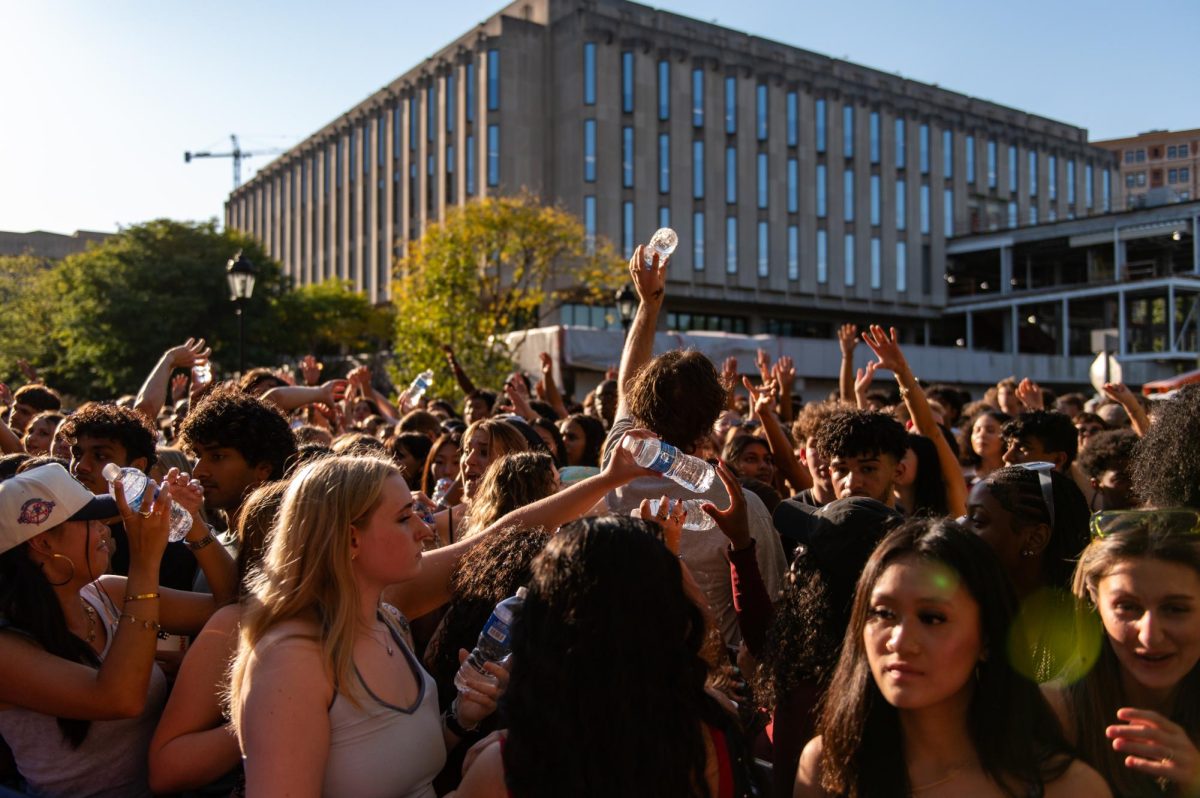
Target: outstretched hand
1030, 394
1119, 392
310, 368
649, 282
887, 348
670, 516
863, 379
189, 354
848, 338
733, 521
1156, 746
762, 398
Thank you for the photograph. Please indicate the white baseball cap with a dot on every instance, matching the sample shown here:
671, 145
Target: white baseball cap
42, 498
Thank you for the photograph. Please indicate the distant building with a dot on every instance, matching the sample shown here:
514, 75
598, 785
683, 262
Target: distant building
1157, 167
51, 246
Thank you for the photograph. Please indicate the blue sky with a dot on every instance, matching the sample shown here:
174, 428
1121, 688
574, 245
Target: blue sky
100, 100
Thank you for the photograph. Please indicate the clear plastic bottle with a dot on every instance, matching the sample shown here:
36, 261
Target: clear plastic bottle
134, 482
441, 490
663, 242
495, 642
691, 472
417, 389
202, 374
696, 519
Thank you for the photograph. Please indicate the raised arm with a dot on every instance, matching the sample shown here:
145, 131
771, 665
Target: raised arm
153, 392
460, 376
784, 373
290, 397
847, 340
761, 400
1138, 419
651, 286
887, 349
548, 388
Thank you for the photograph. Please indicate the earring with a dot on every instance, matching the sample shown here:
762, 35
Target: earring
1027, 553
70, 562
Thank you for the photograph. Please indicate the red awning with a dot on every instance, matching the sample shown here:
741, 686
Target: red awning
1178, 381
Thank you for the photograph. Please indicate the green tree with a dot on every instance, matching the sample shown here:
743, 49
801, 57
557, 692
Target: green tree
331, 318
26, 313
491, 267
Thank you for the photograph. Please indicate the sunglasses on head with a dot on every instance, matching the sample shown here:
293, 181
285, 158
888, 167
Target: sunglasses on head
1168, 521
1044, 470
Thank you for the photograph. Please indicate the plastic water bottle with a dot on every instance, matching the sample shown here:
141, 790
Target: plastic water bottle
495, 642
134, 482
691, 472
696, 519
202, 374
441, 490
663, 242
417, 389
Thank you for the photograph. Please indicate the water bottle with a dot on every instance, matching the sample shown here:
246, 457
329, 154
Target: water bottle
134, 482
494, 644
663, 242
417, 389
696, 518
202, 374
441, 490
691, 472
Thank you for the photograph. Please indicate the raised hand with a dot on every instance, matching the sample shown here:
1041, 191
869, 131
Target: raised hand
729, 373
763, 361
333, 391
516, 393
310, 369
179, 387
1118, 392
733, 521
650, 283
784, 372
848, 339
886, 348
187, 492
762, 398
360, 377
1030, 394
670, 516
1157, 747
189, 354
862, 382
29, 371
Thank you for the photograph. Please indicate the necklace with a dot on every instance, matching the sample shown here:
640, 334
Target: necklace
943, 780
90, 612
385, 642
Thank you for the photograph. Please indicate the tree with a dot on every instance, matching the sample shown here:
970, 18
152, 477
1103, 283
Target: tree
331, 318
26, 312
491, 267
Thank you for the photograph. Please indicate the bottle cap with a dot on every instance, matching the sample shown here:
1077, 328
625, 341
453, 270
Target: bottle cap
111, 472
522, 592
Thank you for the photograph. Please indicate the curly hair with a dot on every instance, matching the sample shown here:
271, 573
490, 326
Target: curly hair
252, 381
966, 452
811, 418
1052, 428
677, 396
1108, 451
1171, 441
121, 425
228, 417
511, 481
853, 433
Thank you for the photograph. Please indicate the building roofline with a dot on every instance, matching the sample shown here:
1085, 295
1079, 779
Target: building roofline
1149, 134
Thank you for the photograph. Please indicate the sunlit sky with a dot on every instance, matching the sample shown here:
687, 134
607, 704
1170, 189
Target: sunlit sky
99, 101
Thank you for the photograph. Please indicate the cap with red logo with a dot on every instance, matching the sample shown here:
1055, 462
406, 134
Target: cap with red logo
42, 498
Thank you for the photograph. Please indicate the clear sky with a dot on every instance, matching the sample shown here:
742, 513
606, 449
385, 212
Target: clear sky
99, 100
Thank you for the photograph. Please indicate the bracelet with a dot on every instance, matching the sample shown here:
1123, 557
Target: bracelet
141, 597
196, 545
450, 716
155, 625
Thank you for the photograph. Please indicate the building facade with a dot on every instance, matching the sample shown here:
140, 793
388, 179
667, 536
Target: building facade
805, 190
1157, 167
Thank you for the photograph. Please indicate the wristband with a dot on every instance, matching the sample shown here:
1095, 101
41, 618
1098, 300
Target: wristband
452, 725
141, 597
196, 545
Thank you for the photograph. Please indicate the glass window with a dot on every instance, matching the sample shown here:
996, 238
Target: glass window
1071, 181
874, 136
627, 228
664, 216
924, 209
627, 156
1052, 176
1130, 180
848, 250
1033, 216
493, 80
924, 149
1051, 214
469, 90
1012, 168
353, 152
822, 208
589, 150
589, 73
589, 223
698, 169
470, 153
876, 201
731, 175
1089, 185
793, 185
764, 249
793, 252
627, 82
947, 153
1129, 156
1106, 188
819, 121
901, 265
848, 195
1033, 173
1141, 156
848, 131
876, 263
664, 90
730, 104
991, 163
493, 155
1012, 213
822, 257
664, 163
970, 160
731, 253
762, 180
900, 144
793, 119
698, 241
451, 103
697, 98
413, 121
901, 204
396, 132
760, 111
948, 212
1184, 175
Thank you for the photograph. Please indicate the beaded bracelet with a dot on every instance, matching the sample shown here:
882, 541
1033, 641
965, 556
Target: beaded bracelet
155, 625
196, 545
141, 597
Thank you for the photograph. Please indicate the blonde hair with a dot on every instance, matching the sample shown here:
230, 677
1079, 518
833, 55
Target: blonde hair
305, 572
511, 481
503, 438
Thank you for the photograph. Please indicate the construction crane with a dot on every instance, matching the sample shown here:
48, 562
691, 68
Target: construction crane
237, 155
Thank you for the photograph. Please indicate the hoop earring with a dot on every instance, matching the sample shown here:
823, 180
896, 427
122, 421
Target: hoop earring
70, 562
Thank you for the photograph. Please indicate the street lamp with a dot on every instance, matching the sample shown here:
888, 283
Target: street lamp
240, 273
626, 305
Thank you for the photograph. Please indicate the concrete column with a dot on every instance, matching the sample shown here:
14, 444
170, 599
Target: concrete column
357, 257
317, 184
1006, 269
970, 331
371, 226
306, 188
344, 200
1014, 329
1171, 317
1066, 328
1122, 344
390, 187
1196, 244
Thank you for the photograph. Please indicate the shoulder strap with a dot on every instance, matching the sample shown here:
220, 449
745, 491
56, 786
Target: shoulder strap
396, 622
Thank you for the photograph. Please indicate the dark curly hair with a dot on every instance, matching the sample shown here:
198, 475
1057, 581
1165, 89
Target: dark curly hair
929, 488
230, 418
677, 396
853, 433
108, 421
1108, 451
38, 396
811, 418
1166, 462
1052, 428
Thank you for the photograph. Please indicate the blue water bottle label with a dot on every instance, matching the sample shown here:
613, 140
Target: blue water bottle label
666, 457
497, 630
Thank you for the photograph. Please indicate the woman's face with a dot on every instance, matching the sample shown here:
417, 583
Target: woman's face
755, 462
1151, 614
445, 462
39, 435
922, 636
412, 467
387, 547
985, 438
477, 455
548, 439
574, 441
988, 519
76, 537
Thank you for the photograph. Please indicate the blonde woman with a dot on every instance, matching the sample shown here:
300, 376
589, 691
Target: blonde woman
483, 443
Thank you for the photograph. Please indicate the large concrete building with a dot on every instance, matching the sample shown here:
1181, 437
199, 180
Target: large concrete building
805, 190
50, 246
1157, 167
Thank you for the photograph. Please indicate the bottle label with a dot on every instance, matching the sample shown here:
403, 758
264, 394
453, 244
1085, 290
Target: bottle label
666, 457
497, 630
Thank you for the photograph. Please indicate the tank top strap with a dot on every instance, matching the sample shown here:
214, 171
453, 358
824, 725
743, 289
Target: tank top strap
102, 604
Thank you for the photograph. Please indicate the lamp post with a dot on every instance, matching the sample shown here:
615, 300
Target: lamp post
240, 273
626, 305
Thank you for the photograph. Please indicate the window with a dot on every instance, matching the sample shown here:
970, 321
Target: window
627, 156
731, 105
664, 163
698, 169
970, 160
822, 207
412, 122
1089, 185
1172, 175
353, 151
589, 73
924, 210
697, 98
493, 155
848, 131
1106, 188
947, 153
991, 163
900, 146
848, 195
1033, 214
1051, 214
589, 150
664, 216
1129, 156
469, 91
793, 252
876, 263
1012, 213
848, 250
1141, 178
819, 121
1185, 175
1171, 151
760, 111
762, 180
683, 322
664, 90
451, 103
901, 266
493, 80
627, 82
764, 254
1012, 169
470, 153
450, 182
430, 114
731, 254
793, 119
627, 228
698, 241
1130, 180
876, 201
589, 223
822, 257
924, 149
1033, 173
901, 204
1141, 156
731, 175
1071, 182
1052, 176
793, 185
396, 132
874, 136
948, 212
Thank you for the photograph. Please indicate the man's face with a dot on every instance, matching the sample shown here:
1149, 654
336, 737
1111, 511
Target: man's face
1031, 450
606, 402
475, 408
1115, 489
869, 474
225, 475
90, 454
19, 418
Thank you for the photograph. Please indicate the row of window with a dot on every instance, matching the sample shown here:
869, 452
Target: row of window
1173, 152
1183, 175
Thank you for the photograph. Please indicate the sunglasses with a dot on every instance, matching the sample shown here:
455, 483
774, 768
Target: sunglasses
1171, 521
1043, 470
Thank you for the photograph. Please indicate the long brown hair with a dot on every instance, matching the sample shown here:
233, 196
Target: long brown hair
511, 481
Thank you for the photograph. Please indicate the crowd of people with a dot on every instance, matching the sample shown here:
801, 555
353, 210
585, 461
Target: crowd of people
894, 591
